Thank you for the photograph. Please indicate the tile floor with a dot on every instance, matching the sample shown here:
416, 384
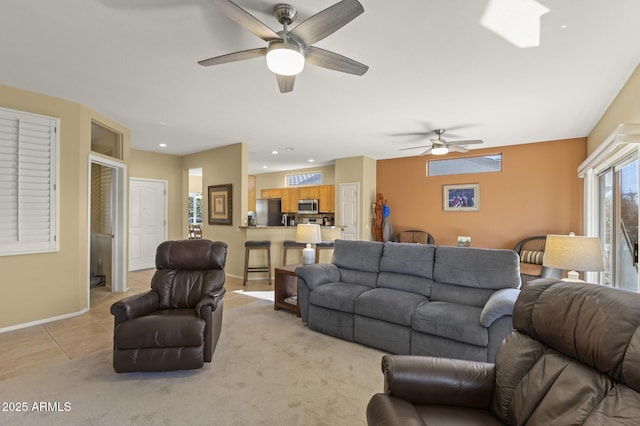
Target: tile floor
29, 349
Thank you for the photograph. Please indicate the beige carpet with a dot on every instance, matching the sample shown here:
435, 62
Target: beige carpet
268, 369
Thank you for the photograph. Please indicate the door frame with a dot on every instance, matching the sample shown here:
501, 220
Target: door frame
119, 187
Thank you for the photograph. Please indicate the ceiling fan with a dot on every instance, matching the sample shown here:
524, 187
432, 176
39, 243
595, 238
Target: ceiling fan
441, 147
288, 51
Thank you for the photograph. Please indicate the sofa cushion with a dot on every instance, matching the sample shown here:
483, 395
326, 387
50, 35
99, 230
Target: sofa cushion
408, 259
358, 255
477, 267
452, 321
337, 296
388, 305
404, 282
164, 328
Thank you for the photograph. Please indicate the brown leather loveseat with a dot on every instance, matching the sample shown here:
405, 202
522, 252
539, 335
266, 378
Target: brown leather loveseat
573, 359
175, 325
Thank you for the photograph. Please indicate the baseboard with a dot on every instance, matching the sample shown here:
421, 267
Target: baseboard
43, 321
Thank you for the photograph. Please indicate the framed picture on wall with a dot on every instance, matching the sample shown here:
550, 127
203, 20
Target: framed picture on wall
220, 212
461, 198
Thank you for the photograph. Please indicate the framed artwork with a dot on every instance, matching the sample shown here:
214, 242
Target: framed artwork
220, 212
461, 198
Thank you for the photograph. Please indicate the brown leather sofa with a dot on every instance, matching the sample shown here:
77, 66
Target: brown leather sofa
175, 325
573, 359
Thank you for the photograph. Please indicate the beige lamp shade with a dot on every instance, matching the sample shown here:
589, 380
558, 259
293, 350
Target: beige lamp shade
573, 253
308, 233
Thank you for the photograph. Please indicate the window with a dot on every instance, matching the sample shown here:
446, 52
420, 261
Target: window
28, 183
301, 179
456, 166
195, 208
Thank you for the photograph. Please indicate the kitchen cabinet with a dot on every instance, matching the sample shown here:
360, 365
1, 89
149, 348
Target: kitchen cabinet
309, 192
271, 193
327, 199
289, 200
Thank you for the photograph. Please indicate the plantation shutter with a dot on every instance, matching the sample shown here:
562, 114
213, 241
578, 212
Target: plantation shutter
28, 177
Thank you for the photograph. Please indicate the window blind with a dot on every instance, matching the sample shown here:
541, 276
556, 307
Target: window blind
28, 182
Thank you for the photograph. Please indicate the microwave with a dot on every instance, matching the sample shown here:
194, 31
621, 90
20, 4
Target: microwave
307, 206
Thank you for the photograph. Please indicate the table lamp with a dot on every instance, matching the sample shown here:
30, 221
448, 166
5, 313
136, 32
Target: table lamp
308, 233
573, 253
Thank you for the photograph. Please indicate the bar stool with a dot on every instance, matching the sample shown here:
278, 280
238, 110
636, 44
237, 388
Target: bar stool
256, 245
291, 245
325, 245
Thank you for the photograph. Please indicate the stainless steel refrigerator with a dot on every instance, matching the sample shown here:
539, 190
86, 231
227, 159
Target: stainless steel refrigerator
268, 212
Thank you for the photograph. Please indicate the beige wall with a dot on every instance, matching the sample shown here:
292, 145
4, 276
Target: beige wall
40, 286
360, 170
538, 192
624, 109
151, 165
223, 166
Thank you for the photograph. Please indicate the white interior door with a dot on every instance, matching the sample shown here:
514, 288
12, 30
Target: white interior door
349, 202
147, 221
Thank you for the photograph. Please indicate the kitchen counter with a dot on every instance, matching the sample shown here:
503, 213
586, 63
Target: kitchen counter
279, 234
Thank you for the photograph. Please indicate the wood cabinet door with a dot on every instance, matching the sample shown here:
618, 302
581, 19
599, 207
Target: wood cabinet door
271, 193
309, 192
289, 200
327, 199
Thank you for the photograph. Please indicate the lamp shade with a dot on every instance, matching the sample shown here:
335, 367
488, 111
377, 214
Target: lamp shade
574, 253
308, 233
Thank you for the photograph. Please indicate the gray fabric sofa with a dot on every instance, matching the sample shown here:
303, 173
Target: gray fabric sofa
413, 298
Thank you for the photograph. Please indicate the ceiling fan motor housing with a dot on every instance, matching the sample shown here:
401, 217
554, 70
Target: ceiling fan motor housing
285, 13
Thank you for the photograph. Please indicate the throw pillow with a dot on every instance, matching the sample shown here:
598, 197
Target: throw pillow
530, 256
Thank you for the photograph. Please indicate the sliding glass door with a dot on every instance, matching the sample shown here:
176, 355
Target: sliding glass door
618, 223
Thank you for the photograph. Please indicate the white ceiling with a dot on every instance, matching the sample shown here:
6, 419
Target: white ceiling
431, 65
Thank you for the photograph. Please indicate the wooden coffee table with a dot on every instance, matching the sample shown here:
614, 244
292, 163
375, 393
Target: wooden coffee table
286, 289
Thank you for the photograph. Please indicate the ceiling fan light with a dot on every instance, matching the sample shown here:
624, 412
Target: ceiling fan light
440, 150
285, 58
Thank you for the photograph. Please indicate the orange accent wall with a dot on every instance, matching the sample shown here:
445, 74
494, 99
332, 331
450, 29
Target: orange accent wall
538, 192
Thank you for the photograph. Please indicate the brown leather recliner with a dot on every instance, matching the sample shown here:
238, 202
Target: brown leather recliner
573, 359
175, 325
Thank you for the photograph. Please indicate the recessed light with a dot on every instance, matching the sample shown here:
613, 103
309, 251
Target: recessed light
289, 148
563, 26
274, 152
265, 167
162, 145
311, 160
163, 123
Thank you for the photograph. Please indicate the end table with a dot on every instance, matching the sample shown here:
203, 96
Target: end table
286, 289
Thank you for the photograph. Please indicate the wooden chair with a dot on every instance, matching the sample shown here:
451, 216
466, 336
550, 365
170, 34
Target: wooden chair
195, 232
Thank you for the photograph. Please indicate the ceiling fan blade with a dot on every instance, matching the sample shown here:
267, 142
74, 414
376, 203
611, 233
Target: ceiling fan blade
467, 142
326, 22
233, 57
415, 147
425, 152
286, 82
457, 148
333, 61
246, 20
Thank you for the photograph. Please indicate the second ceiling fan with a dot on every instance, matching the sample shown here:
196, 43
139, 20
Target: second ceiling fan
288, 51
440, 146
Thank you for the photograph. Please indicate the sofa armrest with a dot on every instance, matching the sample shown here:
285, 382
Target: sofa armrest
318, 274
499, 304
440, 381
211, 301
135, 306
